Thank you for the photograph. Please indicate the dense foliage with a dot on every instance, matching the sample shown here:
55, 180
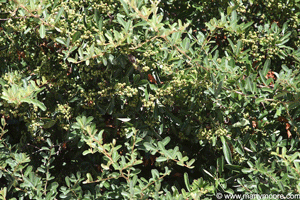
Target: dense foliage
141, 99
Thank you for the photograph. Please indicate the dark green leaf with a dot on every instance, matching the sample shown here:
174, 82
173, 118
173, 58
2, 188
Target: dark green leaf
35, 102
76, 36
226, 150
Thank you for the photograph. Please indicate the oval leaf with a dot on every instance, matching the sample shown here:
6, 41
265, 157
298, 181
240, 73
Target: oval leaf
42, 31
226, 150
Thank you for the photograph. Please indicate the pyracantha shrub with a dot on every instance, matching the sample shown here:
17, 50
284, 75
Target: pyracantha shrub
140, 99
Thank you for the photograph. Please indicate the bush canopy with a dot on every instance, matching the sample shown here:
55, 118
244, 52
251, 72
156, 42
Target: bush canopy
149, 99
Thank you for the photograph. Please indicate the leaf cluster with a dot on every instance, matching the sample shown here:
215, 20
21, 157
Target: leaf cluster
140, 99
